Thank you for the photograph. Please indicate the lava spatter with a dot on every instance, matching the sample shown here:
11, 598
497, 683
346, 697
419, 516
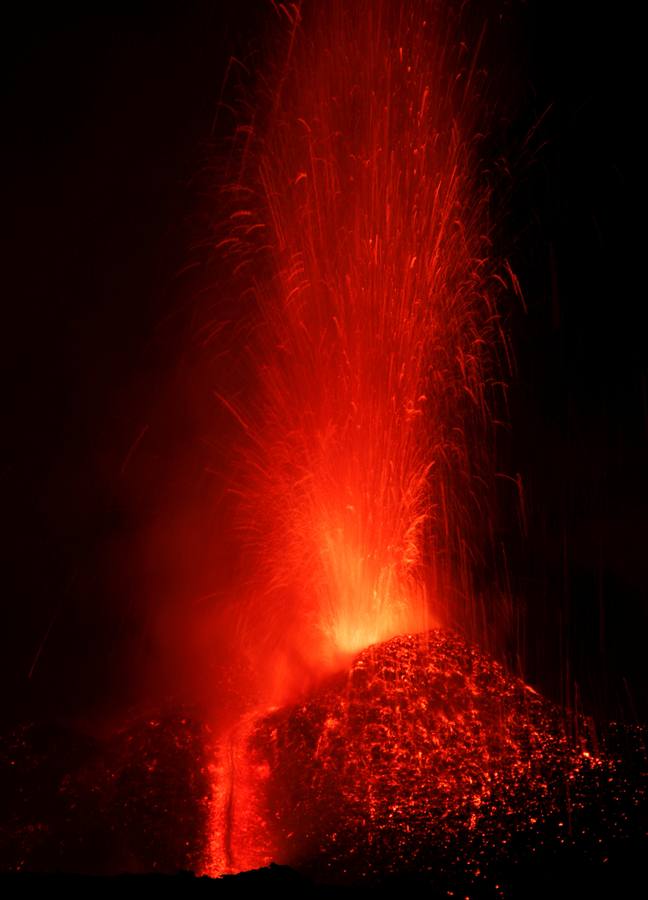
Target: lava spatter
426, 749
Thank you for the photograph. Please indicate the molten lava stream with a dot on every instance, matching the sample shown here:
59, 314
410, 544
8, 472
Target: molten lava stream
239, 838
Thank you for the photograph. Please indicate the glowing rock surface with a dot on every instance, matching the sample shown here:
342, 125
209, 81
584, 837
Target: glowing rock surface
425, 750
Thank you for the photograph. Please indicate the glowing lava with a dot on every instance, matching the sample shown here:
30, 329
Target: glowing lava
360, 227
425, 753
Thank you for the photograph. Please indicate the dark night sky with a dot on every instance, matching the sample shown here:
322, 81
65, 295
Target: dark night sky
108, 121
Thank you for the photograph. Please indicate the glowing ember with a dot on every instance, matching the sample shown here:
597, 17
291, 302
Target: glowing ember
426, 750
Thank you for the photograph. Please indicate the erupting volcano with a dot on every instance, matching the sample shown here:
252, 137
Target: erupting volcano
312, 644
361, 227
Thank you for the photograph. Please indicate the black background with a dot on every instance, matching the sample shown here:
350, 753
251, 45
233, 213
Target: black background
108, 125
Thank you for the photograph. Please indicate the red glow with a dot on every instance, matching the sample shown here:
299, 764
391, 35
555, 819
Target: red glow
361, 228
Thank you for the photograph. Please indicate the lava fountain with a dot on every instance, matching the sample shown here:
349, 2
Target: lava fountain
359, 225
362, 223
